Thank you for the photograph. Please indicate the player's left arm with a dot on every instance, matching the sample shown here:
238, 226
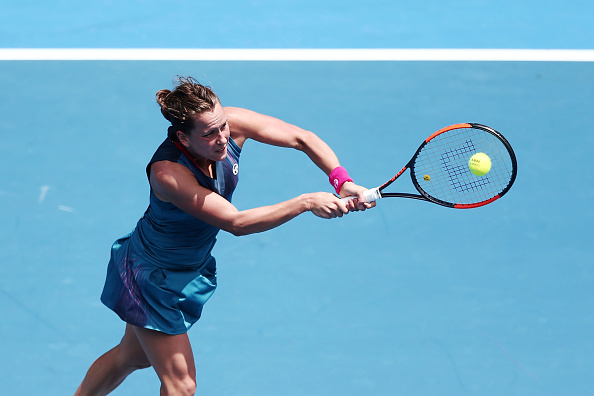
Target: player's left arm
246, 124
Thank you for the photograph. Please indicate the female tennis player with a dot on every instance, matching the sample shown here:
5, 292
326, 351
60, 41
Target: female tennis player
160, 275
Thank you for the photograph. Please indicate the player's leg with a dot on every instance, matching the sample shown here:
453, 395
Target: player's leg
172, 358
109, 370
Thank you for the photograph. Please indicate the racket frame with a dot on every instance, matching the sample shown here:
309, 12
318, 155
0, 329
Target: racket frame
425, 196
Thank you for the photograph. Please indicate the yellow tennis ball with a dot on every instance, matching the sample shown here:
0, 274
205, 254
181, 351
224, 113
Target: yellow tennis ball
480, 164
426, 177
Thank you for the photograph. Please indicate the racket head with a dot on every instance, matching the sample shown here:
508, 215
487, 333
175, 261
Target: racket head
440, 168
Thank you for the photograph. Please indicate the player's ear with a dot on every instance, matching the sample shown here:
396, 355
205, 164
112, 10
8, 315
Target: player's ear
183, 138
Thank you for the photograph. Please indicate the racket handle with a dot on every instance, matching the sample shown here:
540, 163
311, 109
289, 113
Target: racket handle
370, 195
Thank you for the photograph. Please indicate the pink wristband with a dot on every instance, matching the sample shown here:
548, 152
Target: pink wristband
338, 177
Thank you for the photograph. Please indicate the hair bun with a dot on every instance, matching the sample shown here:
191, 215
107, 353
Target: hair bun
188, 99
161, 96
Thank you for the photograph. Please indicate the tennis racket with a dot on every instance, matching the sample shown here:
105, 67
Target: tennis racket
441, 171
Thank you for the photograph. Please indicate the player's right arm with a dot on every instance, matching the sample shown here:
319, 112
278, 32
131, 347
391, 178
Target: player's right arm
173, 182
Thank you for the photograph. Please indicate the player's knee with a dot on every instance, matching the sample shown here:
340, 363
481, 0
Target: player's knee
189, 386
185, 386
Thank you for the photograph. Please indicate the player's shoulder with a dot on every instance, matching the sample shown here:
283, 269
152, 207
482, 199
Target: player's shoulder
167, 152
165, 170
239, 115
240, 122
232, 111
168, 178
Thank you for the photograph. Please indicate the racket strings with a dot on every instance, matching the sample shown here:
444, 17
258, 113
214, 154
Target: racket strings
444, 159
455, 171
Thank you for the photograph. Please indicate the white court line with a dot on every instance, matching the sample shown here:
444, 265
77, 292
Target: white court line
297, 54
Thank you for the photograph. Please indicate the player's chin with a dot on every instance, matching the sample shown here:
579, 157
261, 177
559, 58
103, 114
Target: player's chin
220, 155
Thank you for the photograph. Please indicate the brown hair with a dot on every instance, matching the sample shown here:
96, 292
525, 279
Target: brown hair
187, 99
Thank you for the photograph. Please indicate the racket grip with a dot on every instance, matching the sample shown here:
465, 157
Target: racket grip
370, 195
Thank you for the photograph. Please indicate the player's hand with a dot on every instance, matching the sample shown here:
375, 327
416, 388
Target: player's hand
350, 189
326, 205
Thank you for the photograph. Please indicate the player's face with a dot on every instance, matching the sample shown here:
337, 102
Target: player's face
208, 140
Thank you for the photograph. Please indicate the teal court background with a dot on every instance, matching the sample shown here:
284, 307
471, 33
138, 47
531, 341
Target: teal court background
408, 298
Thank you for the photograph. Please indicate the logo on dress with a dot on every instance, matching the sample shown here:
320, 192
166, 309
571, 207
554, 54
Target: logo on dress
235, 169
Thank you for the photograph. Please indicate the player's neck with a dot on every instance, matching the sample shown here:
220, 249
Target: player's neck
206, 166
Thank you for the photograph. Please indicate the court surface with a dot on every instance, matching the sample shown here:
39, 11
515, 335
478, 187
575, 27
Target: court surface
406, 299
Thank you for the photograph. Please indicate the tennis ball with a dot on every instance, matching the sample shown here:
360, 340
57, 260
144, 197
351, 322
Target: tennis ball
426, 177
480, 164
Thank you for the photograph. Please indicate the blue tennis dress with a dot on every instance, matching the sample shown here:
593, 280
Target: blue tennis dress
162, 273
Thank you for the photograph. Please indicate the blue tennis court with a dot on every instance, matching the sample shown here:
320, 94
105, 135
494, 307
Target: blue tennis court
406, 299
